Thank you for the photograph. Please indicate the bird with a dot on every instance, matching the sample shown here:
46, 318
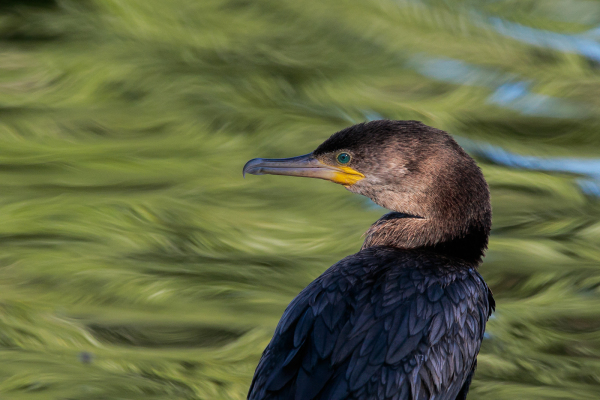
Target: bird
404, 317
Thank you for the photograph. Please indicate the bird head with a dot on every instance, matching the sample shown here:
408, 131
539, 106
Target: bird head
404, 166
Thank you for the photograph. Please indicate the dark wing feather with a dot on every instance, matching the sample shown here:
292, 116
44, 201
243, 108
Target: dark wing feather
379, 324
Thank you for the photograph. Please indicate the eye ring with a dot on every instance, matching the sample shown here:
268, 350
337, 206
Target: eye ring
343, 158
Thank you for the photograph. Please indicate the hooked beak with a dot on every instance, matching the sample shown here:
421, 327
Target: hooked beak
306, 166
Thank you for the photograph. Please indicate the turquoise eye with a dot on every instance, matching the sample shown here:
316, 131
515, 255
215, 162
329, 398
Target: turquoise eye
343, 158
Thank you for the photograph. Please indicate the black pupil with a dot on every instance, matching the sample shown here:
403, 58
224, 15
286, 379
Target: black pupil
343, 158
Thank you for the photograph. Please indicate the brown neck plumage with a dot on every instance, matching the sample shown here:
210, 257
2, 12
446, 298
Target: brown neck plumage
442, 205
446, 237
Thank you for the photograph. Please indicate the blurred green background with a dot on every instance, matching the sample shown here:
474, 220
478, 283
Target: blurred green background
136, 263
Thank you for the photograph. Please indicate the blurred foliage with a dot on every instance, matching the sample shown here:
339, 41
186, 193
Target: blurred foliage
136, 262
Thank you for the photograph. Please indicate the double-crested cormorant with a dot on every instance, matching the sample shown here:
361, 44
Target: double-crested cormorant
404, 317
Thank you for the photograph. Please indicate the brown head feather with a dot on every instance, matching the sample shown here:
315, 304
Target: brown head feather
438, 194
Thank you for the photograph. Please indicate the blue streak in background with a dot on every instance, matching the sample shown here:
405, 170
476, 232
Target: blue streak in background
458, 72
581, 44
517, 97
508, 90
592, 32
590, 168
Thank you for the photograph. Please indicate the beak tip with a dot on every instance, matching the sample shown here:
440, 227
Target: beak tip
248, 168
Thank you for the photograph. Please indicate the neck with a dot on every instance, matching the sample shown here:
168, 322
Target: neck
467, 240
